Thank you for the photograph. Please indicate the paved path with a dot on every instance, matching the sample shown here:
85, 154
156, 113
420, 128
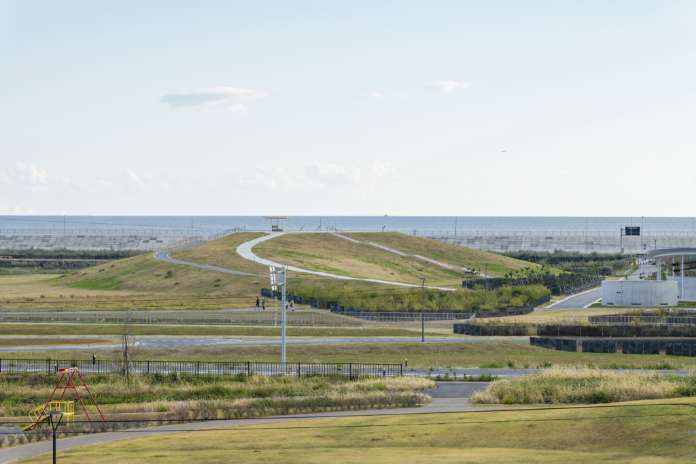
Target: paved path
245, 251
164, 256
447, 397
175, 341
579, 300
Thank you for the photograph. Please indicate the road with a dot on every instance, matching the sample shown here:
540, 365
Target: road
579, 300
175, 341
245, 251
447, 397
164, 256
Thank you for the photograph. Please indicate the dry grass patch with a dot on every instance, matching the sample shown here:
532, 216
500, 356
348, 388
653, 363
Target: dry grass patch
586, 386
496, 265
328, 253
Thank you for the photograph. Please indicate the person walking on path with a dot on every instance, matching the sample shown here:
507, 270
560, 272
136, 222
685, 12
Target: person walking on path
263, 304
258, 303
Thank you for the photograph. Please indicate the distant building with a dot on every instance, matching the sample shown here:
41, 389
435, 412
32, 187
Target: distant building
663, 279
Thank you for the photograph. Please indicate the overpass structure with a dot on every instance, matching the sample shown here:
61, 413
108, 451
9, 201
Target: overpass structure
669, 279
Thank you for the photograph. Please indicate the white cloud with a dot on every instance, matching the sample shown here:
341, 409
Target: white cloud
228, 96
449, 86
24, 173
375, 94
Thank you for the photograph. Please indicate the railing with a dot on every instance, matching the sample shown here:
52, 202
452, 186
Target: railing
201, 368
642, 320
238, 318
398, 316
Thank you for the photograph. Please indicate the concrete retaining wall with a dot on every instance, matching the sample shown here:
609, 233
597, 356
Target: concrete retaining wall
676, 347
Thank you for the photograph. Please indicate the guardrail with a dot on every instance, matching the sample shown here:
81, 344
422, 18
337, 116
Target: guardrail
201, 368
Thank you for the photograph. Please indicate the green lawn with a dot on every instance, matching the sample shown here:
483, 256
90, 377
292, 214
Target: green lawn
655, 433
478, 354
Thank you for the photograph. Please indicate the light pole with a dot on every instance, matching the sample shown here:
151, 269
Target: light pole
54, 419
422, 309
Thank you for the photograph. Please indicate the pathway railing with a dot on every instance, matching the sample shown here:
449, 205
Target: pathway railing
201, 368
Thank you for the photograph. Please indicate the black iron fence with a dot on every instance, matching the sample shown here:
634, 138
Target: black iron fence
201, 368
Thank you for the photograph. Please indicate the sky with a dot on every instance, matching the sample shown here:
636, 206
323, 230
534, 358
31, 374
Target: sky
551, 108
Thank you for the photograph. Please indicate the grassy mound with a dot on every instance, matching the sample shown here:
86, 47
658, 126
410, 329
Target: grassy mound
493, 264
444, 264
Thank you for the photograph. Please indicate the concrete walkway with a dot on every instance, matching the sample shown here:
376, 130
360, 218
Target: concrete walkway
164, 256
245, 251
447, 397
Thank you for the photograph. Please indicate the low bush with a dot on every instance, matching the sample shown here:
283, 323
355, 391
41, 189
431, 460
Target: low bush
337, 294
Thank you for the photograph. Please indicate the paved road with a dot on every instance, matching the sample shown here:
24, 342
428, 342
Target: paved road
174, 341
579, 300
447, 397
164, 256
245, 251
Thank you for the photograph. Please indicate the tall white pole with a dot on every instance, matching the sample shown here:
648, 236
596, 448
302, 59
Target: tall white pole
682, 277
283, 317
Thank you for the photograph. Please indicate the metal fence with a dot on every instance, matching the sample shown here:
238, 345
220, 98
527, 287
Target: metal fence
268, 318
202, 368
642, 320
402, 316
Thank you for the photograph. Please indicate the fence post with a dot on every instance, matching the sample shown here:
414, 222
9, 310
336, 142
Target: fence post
299, 370
350, 371
248, 369
401, 370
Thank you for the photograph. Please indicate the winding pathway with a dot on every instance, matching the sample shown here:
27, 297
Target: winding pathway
245, 251
164, 256
448, 397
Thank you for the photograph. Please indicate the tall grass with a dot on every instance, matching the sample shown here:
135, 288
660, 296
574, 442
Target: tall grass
18, 394
563, 385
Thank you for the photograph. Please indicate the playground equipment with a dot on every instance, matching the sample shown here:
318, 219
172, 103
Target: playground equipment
69, 378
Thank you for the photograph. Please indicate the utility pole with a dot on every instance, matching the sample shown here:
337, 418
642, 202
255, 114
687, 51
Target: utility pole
423, 309
55, 418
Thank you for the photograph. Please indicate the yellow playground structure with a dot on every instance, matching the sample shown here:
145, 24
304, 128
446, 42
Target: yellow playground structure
41, 413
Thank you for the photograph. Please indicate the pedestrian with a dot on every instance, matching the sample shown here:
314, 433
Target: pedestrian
292, 305
263, 304
257, 302
406, 362
94, 359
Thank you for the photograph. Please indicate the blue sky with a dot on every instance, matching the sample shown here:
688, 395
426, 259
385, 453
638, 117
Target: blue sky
414, 108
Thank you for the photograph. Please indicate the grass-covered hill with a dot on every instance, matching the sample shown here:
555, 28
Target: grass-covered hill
407, 258
143, 281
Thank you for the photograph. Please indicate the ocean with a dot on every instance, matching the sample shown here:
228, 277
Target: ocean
421, 225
